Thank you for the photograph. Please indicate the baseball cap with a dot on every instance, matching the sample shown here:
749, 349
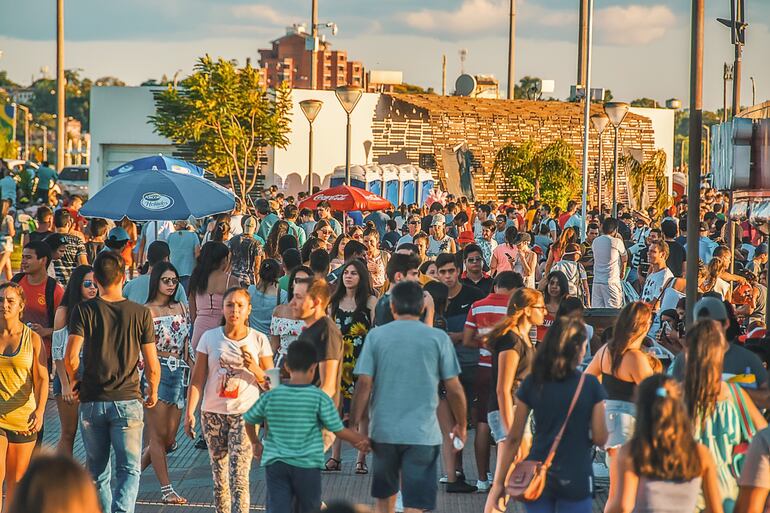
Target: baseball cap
466, 237
55, 241
118, 234
438, 219
710, 308
761, 249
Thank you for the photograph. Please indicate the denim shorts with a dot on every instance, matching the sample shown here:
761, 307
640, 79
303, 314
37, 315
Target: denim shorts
621, 419
57, 382
410, 468
171, 388
498, 431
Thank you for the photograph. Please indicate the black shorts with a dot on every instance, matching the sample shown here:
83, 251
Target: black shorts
410, 468
15, 437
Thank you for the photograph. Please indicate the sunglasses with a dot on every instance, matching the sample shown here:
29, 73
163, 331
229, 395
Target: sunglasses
474, 260
89, 284
169, 281
414, 222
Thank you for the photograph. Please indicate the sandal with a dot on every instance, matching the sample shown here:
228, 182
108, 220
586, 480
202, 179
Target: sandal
333, 465
170, 496
361, 468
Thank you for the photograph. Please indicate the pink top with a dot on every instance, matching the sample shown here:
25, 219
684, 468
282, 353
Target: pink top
208, 315
505, 256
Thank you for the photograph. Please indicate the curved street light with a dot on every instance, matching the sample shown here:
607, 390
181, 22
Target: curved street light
310, 108
348, 97
616, 112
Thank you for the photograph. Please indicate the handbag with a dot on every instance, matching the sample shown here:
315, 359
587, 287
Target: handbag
747, 432
527, 480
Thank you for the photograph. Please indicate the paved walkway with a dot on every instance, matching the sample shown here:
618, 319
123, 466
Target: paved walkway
191, 475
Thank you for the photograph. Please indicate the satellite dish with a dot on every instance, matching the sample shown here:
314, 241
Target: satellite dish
465, 85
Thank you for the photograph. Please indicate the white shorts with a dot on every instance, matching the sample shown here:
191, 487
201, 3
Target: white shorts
606, 295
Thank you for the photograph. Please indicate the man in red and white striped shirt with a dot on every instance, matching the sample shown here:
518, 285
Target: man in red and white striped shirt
482, 317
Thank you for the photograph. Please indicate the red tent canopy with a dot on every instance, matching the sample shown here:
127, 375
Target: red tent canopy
345, 199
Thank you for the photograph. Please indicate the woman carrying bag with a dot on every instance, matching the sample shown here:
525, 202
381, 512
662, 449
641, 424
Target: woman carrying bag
568, 410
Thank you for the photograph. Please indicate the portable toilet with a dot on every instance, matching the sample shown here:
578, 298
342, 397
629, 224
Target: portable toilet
408, 177
374, 179
390, 180
425, 184
357, 177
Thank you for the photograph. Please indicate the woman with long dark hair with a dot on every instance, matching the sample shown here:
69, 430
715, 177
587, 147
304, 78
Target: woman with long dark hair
265, 296
226, 381
278, 230
285, 327
714, 406
81, 287
376, 259
173, 329
311, 244
338, 251
555, 288
620, 365
352, 308
324, 232
548, 392
662, 467
23, 388
208, 282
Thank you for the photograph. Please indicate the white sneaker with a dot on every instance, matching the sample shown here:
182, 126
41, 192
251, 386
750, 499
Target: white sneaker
399, 503
490, 477
483, 486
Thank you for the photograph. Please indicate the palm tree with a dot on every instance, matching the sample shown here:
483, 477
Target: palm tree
640, 174
549, 173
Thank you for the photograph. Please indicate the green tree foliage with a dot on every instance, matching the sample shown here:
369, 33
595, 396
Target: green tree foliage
645, 102
412, 89
228, 119
527, 88
550, 172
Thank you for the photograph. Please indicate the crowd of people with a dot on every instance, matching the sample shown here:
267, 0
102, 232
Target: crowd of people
277, 334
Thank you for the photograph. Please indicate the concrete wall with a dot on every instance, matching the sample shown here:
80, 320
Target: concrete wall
288, 168
119, 123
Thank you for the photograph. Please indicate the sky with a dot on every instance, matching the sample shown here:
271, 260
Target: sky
640, 47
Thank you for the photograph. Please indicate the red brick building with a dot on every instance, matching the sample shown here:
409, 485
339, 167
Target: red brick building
289, 61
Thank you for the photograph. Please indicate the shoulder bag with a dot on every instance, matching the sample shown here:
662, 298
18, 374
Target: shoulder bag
527, 480
747, 431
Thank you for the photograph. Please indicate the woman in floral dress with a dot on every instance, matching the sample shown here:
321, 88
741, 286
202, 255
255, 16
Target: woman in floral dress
352, 308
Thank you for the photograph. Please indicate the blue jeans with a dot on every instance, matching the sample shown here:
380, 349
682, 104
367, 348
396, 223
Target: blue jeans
117, 425
549, 504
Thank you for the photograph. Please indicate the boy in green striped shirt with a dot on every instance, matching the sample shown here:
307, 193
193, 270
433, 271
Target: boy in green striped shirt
293, 450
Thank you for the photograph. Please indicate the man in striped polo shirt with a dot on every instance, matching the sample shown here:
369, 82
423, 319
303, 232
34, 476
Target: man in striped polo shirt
482, 317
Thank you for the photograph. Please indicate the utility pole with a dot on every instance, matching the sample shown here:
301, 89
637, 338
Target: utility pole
443, 75
726, 77
60, 134
693, 173
582, 43
314, 36
737, 25
511, 49
587, 123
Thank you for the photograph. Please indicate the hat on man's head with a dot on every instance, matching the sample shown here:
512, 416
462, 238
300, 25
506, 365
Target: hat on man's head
761, 249
710, 308
118, 234
55, 241
466, 237
438, 219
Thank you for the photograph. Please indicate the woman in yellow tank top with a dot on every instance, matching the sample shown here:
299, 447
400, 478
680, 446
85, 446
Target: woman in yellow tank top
23, 387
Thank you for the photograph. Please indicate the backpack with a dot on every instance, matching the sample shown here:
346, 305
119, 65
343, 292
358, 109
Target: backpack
50, 287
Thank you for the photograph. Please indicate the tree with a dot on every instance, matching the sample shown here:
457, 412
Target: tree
412, 89
639, 174
607, 95
227, 118
549, 173
527, 88
645, 102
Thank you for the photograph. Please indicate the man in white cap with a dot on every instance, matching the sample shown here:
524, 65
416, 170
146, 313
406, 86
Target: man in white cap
440, 241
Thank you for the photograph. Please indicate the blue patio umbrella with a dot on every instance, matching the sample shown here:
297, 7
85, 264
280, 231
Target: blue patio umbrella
156, 162
160, 195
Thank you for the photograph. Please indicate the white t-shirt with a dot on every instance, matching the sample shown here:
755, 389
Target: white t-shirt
607, 252
575, 273
653, 285
230, 389
722, 287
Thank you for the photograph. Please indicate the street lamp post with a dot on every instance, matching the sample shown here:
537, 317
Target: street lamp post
25, 109
45, 139
600, 122
616, 112
586, 123
348, 97
310, 108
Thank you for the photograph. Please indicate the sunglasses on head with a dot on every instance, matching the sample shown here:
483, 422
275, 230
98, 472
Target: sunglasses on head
169, 281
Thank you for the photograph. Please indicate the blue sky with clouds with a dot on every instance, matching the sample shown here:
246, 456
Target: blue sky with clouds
641, 47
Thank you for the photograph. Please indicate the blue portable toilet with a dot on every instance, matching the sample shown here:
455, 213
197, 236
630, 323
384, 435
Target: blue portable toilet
390, 179
425, 184
357, 177
408, 177
374, 179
